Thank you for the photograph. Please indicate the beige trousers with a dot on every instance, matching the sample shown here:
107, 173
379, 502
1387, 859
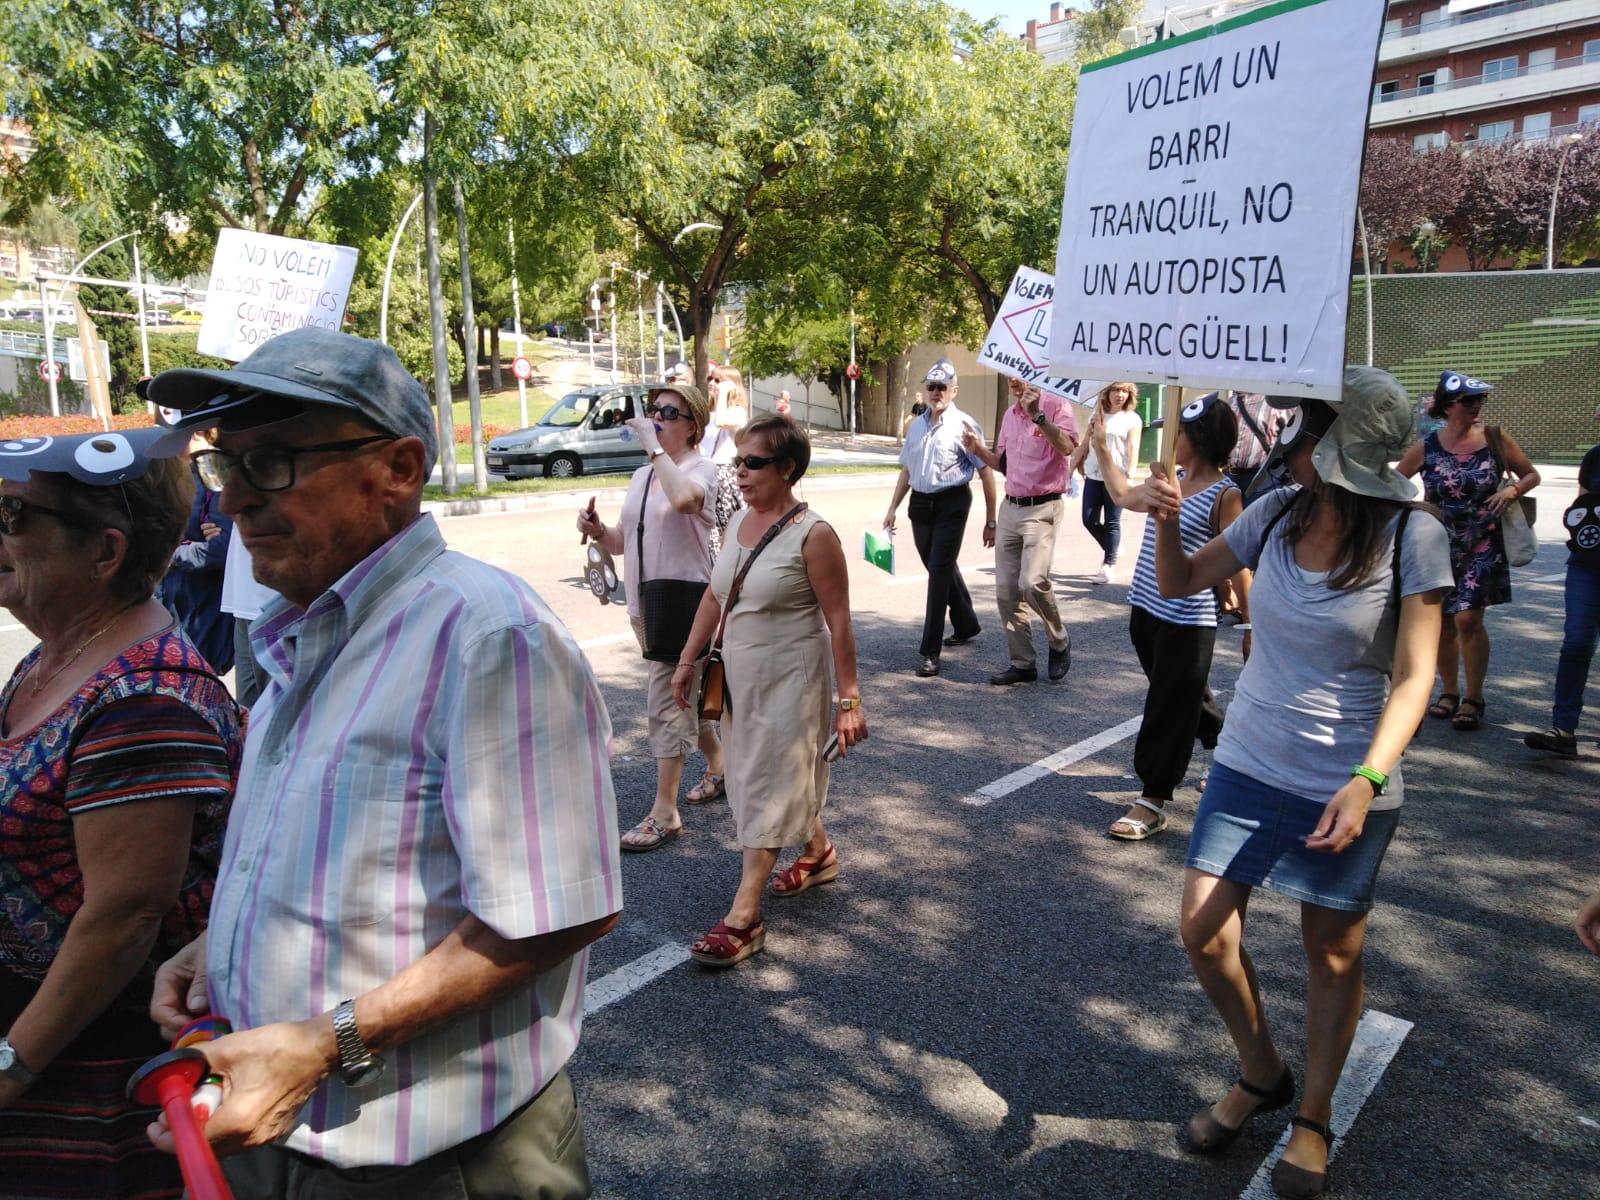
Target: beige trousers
1024, 545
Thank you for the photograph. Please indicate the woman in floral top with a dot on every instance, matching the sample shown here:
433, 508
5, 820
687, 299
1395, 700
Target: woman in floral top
1461, 475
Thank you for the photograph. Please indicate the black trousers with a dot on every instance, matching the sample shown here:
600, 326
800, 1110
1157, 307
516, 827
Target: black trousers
938, 523
1179, 707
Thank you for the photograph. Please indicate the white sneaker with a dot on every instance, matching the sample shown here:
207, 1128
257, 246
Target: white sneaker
1103, 575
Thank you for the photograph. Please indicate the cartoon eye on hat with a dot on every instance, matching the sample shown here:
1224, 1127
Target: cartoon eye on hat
21, 447
1451, 382
1291, 427
105, 455
1576, 515
1196, 408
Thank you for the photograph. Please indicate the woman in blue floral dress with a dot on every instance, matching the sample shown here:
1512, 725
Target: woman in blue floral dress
1461, 476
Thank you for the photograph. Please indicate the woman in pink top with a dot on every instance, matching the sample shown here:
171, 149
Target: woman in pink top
676, 494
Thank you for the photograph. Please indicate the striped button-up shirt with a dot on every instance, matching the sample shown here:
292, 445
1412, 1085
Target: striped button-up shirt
933, 455
431, 743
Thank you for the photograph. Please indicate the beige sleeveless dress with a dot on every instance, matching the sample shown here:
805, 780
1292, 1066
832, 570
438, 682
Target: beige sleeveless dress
779, 664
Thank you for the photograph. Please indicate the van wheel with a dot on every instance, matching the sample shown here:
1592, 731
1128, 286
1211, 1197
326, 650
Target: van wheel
563, 466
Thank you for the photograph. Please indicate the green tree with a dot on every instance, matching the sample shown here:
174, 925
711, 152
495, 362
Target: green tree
1099, 29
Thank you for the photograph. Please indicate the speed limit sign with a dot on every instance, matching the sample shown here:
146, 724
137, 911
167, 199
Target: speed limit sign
521, 367
50, 370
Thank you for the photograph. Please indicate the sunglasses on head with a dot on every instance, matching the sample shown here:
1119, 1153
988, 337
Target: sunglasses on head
667, 412
753, 462
13, 509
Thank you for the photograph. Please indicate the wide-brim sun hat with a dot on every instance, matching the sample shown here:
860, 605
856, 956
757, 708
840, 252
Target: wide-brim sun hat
1374, 422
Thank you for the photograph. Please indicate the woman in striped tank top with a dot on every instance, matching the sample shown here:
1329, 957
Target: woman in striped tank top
1174, 638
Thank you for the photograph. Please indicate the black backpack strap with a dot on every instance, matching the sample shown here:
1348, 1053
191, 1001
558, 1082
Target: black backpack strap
1394, 565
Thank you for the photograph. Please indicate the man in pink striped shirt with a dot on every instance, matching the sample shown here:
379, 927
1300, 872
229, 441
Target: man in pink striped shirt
1037, 437
423, 843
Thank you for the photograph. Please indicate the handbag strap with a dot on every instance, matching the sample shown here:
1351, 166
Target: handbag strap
1494, 435
744, 569
1243, 410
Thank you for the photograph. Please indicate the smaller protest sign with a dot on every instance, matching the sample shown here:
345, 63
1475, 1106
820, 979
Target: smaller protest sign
1018, 344
263, 285
877, 548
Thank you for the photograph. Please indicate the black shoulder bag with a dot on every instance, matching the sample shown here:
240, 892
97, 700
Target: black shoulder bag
667, 606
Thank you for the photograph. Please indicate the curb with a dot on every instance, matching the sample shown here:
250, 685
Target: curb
476, 506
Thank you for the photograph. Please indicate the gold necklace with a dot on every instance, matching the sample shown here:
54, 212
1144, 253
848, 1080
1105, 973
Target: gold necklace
40, 685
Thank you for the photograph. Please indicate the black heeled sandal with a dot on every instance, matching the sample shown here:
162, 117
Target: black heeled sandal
1297, 1183
1206, 1135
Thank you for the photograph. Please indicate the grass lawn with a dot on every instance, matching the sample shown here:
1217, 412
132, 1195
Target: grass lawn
588, 483
501, 408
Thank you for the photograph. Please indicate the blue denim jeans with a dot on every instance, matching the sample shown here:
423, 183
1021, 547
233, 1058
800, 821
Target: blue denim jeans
1102, 519
1577, 645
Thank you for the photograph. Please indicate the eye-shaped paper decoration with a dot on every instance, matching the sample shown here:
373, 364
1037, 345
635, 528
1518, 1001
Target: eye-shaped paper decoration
1588, 537
1452, 382
1291, 427
1196, 408
98, 459
1475, 385
600, 573
1576, 515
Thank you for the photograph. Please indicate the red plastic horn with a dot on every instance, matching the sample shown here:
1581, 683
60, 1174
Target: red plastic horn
169, 1080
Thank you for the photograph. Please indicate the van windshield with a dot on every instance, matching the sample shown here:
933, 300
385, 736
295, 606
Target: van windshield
569, 411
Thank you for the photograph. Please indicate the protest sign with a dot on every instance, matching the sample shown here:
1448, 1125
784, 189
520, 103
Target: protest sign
263, 285
1018, 344
1210, 203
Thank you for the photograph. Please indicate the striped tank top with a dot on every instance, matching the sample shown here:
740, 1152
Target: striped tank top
1194, 529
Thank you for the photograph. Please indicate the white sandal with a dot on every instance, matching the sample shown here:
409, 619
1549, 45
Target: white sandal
1140, 829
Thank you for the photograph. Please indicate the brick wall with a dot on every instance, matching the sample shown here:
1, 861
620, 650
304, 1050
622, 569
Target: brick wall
1535, 335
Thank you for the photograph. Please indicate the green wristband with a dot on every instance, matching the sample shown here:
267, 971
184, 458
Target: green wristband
1378, 780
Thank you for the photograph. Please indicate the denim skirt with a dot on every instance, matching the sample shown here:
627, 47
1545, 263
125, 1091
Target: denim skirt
1253, 833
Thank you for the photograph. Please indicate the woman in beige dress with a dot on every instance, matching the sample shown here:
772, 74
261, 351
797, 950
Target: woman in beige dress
677, 490
787, 639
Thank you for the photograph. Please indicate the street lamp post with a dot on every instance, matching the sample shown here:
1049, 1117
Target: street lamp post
1427, 231
1571, 140
388, 269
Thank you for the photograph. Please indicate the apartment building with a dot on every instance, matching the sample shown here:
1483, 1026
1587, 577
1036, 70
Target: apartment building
1463, 71
1473, 71
1056, 39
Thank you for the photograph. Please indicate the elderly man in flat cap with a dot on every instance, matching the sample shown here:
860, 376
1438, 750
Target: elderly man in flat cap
423, 840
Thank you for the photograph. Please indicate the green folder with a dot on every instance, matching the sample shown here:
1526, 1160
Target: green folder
878, 549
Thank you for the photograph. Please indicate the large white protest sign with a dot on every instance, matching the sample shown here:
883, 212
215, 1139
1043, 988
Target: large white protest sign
1210, 203
1018, 344
263, 285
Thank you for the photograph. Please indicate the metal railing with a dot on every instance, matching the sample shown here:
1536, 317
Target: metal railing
1467, 81
1477, 14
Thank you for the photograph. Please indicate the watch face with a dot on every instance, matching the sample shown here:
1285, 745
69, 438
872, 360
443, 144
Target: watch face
8, 1056
362, 1075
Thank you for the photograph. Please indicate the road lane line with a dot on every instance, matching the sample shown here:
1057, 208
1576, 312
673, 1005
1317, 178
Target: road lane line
630, 977
1021, 778
1377, 1041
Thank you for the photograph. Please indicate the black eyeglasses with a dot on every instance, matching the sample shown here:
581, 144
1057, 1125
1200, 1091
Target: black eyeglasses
667, 412
14, 508
267, 468
753, 462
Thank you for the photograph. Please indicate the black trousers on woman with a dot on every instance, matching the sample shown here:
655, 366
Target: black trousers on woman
938, 523
1179, 707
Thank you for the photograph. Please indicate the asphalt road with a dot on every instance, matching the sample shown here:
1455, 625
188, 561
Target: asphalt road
993, 1000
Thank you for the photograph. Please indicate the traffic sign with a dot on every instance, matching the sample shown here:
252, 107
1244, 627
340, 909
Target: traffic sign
853, 371
521, 367
50, 370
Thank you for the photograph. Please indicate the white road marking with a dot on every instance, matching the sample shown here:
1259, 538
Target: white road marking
630, 977
1378, 1039
610, 639
1061, 759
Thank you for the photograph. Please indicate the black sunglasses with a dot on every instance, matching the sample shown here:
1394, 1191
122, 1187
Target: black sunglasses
14, 508
667, 412
267, 468
933, 387
753, 462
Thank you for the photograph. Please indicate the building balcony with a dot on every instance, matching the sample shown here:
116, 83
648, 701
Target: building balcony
1483, 27
1473, 92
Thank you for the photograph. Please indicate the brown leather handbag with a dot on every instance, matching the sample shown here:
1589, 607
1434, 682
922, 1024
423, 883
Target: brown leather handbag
713, 682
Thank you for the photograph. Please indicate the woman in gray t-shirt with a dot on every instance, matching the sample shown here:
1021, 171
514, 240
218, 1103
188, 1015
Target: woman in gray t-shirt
1305, 792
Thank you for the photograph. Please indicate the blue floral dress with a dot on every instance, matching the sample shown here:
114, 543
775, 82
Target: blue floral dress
1460, 485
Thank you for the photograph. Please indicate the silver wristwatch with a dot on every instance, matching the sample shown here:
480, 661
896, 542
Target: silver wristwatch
11, 1065
358, 1066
